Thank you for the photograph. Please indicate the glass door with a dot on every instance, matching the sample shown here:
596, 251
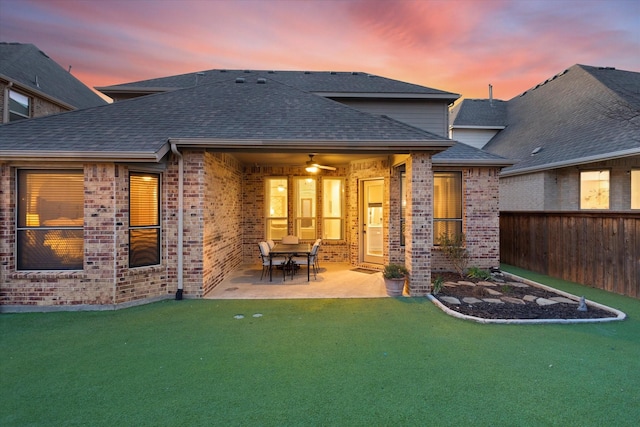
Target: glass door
372, 215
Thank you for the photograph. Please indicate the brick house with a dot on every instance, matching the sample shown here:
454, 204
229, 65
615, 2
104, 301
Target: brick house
34, 85
172, 189
570, 203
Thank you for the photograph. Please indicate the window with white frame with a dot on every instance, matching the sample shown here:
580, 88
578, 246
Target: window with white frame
447, 204
635, 188
19, 106
305, 208
50, 220
276, 206
594, 189
144, 219
333, 208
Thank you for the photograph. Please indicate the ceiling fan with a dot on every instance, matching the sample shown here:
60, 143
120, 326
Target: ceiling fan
313, 167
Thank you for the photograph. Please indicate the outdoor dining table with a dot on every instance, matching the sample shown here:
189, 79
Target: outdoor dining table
290, 251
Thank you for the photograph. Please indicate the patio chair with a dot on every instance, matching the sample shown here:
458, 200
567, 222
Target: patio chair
270, 263
319, 242
290, 240
271, 244
302, 260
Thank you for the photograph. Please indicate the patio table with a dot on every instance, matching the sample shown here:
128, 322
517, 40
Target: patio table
290, 251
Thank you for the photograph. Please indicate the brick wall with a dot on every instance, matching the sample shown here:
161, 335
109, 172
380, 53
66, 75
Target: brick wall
481, 221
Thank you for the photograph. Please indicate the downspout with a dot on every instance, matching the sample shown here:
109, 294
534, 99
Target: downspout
5, 106
175, 151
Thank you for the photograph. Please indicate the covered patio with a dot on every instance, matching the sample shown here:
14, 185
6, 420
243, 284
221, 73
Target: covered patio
334, 280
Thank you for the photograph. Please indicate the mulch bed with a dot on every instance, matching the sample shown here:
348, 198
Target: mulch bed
510, 310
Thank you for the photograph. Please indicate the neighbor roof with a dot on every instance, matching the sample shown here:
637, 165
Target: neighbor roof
257, 114
581, 115
327, 83
28, 66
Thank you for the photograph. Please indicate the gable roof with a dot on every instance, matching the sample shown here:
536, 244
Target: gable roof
258, 114
581, 115
479, 114
32, 69
326, 83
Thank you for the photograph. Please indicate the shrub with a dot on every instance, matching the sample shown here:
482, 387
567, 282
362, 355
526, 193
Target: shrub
453, 246
478, 273
395, 271
437, 284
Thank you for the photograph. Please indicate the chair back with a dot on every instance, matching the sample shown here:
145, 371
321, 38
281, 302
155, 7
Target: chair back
314, 249
319, 241
290, 240
271, 244
264, 249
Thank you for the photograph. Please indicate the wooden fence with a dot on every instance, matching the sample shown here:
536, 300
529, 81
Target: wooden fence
601, 250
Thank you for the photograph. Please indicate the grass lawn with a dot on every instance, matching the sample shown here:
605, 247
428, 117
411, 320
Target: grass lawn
350, 362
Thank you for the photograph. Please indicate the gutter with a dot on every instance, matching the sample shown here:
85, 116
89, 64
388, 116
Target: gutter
573, 162
174, 150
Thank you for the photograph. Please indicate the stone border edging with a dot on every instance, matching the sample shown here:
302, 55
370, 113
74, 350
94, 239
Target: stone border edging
619, 314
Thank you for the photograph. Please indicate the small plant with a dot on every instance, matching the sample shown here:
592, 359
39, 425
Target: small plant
478, 273
505, 289
437, 284
454, 249
395, 271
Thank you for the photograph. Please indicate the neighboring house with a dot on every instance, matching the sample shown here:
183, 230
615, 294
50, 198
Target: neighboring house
167, 193
34, 85
575, 141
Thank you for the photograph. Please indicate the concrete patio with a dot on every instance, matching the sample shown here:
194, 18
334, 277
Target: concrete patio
334, 280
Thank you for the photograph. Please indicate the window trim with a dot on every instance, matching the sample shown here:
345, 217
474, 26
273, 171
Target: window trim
157, 226
46, 228
459, 220
343, 207
580, 188
12, 112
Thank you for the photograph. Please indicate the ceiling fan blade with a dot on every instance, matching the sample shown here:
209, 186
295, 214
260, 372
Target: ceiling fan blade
329, 168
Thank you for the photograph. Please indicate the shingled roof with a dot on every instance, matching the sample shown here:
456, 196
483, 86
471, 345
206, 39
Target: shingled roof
582, 115
28, 66
479, 113
328, 83
256, 114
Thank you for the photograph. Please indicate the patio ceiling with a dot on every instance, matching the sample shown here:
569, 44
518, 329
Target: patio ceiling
299, 159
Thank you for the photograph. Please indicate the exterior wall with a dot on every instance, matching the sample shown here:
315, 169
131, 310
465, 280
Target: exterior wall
432, 116
559, 189
477, 138
419, 223
222, 218
481, 221
105, 278
522, 192
39, 106
253, 208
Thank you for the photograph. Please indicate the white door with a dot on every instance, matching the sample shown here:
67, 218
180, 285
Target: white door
371, 216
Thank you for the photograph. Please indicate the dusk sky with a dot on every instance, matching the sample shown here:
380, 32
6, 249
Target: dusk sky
460, 46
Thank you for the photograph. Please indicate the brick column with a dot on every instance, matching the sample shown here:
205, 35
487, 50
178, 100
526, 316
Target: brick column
419, 222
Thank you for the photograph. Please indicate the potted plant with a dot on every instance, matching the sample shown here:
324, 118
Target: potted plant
395, 276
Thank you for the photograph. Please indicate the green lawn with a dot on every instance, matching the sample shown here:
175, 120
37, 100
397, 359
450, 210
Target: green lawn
362, 362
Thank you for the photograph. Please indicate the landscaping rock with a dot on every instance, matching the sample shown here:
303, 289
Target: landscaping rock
451, 300
564, 299
493, 300
471, 300
513, 300
544, 301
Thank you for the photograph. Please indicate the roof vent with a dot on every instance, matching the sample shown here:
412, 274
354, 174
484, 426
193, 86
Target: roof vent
307, 72
240, 80
223, 71
354, 73
271, 72
247, 71
262, 81
536, 151
333, 73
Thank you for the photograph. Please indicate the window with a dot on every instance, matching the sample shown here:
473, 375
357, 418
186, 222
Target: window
144, 219
594, 189
50, 220
333, 208
447, 204
635, 189
276, 199
305, 208
19, 106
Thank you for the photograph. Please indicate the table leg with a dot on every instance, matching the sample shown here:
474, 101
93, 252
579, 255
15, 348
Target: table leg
308, 267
